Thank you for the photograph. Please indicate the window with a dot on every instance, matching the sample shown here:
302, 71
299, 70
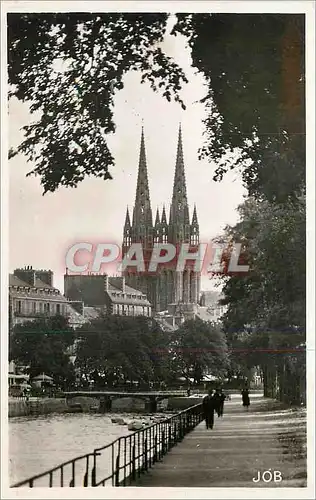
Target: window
41, 307
19, 306
57, 308
34, 307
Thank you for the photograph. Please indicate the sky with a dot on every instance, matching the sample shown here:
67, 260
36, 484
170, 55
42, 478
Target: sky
43, 227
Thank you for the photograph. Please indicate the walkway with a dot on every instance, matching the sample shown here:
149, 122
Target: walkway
267, 436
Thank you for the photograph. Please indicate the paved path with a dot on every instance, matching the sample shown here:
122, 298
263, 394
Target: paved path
267, 436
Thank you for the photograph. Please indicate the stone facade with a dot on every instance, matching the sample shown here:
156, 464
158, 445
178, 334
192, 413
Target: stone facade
165, 286
32, 296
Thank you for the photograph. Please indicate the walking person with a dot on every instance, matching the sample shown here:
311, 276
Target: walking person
208, 410
222, 398
245, 398
217, 401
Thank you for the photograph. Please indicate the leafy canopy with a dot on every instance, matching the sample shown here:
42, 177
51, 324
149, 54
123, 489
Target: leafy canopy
43, 346
68, 67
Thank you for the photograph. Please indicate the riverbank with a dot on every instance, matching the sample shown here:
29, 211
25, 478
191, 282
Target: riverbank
36, 406
42, 406
19, 407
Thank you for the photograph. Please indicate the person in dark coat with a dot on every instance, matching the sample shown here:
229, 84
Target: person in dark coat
217, 401
245, 398
222, 398
208, 410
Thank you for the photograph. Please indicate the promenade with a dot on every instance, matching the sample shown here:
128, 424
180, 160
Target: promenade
267, 436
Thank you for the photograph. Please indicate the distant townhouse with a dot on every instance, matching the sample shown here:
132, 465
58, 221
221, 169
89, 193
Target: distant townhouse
109, 295
32, 296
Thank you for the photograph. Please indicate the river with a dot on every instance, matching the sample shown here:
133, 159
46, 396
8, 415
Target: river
41, 442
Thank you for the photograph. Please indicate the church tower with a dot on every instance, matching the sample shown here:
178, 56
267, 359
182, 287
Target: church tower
142, 228
179, 222
167, 286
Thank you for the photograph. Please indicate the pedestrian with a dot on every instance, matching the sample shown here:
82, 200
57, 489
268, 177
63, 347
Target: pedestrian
245, 398
217, 401
222, 398
208, 410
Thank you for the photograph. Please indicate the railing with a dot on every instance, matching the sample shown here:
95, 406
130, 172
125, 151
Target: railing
122, 461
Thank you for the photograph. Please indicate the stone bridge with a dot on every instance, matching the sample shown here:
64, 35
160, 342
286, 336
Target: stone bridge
151, 398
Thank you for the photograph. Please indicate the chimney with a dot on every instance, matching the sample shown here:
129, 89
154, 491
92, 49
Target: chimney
45, 276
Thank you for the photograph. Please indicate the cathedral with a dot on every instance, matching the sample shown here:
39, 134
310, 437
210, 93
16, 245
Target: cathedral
166, 287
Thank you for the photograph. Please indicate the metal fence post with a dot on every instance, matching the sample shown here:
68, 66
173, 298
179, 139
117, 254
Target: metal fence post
146, 457
133, 464
155, 449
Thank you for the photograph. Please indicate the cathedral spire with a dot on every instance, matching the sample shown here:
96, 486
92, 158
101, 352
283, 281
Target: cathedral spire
163, 215
127, 224
157, 221
127, 232
179, 211
194, 230
142, 214
194, 218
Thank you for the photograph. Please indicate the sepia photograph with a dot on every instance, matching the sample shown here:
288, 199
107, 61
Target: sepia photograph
157, 327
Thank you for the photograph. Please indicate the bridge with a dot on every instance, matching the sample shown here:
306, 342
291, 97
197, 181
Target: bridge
264, 446
106, 397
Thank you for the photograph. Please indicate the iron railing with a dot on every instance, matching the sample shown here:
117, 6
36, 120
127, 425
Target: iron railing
121, 462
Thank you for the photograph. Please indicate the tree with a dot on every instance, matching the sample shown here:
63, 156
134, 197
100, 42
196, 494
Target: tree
254, 67
42, 346
69, 67
273, 291
199, 347
120, 349
266, 316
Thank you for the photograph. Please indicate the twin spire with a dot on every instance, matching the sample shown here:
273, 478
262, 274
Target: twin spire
179, 223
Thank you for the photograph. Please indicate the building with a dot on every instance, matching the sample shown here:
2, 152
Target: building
210, 306
209, 298
108, 295
32, 296
165, 286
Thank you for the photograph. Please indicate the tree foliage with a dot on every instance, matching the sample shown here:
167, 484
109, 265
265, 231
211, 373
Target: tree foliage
266, 317
69, 67
254, 66
119, 349
272, 293
42, 345
199, 347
